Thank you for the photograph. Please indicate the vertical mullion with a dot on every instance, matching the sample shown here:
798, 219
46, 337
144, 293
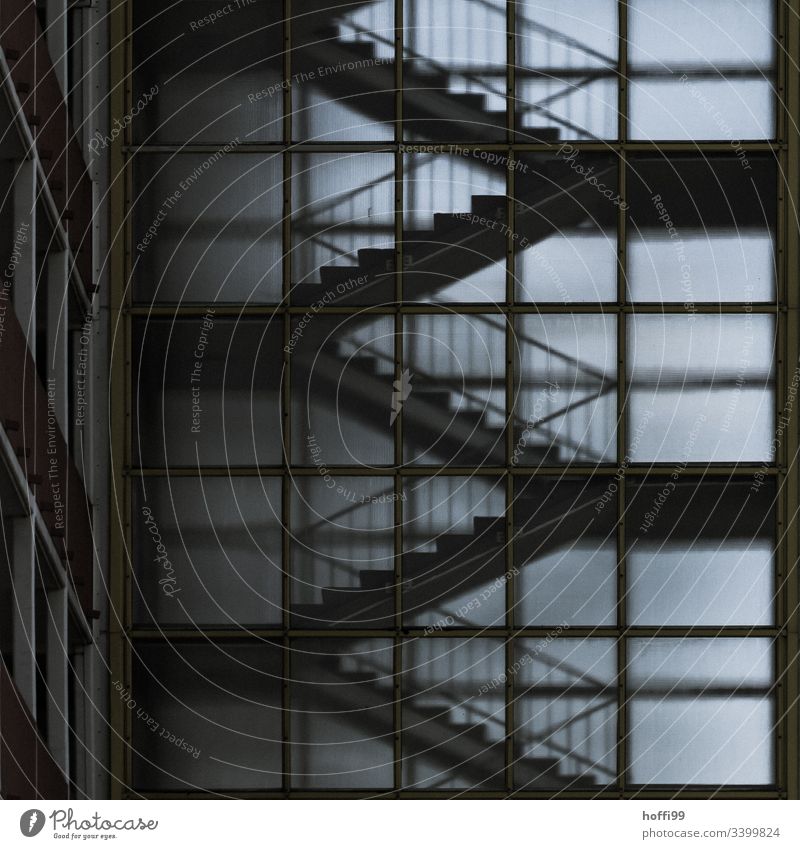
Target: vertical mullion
399, 201
119, 620
286, 518
286, 547
789, 548
622, 349
511, 66
287, 71
510, 588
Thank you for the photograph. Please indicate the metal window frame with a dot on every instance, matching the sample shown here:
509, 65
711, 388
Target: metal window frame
785, 632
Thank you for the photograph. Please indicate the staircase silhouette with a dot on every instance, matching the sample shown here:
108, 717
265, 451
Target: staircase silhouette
461, 562
454, 738
432, 109
452, 249
457, 245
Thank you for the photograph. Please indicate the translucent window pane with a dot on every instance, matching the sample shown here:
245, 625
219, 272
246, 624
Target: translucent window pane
566, 227
342, 551
575, 46
342, 377
566, 385
343, 228
342, 711
207, 392
453, 714
208, 229
702, 70
565, 551
455, 410
213, 81
701, 711
701, 388
343, 70
566, 712
454, 230
701, 230
454, 70
454, 568
700, 553
205, 717
221, 561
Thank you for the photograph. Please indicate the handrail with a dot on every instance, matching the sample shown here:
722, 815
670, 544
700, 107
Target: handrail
445, 246
521, 535
468, 75
606, 385
555, 34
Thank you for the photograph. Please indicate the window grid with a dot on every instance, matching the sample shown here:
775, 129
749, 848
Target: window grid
622, 309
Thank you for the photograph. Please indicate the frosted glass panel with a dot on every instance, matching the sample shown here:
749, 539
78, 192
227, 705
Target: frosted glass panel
342, 378
702, 389
565, 551
206, 717
221, 558
701, 230
342, 551
342, 711
208, 229
454, 239
701, 711
702, 70
207, 392
214, 80
454, 69
566, 227
453, 714
566, 379
700, 553
566, 712
342, 228
455, 410
454, 569
342, 70
574, 45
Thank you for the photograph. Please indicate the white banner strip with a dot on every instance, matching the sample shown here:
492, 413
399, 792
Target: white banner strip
474, 824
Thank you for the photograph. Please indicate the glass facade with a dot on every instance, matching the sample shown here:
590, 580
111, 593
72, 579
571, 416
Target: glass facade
456, 376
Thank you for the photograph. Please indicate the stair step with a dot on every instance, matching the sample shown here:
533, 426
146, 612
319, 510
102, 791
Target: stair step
350, 595
373, 579
427, 566
444, 222
416, 109
490, 206
333, 275
490, 528
379, 260
362, 49
416, 80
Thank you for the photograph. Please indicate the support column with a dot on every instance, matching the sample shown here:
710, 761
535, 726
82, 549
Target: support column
23, 251
58, 678
57, 336
56, 18
23, 637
